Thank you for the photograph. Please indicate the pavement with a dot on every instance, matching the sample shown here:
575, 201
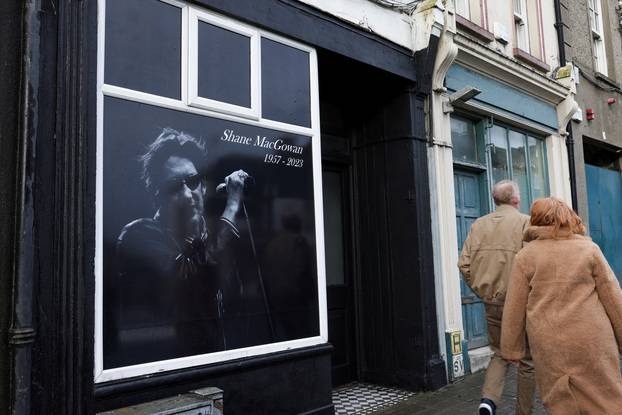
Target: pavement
460, 398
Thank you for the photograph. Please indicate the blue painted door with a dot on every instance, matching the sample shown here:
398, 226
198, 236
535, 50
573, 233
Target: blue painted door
469, 207
604, 195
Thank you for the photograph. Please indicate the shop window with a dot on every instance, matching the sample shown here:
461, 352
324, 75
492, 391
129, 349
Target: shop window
508, 155
520, 157
598, 41
144, 57
186, 273
499, 155
466, 146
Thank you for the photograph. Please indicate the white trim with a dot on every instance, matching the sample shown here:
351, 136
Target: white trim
287, 42
203, 359
175, 3
316, 157
184, 53
183, 104
195, 16
98, 365
175, 104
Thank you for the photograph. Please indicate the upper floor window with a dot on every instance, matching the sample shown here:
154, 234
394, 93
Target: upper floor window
521, 31
463, 9
598, 44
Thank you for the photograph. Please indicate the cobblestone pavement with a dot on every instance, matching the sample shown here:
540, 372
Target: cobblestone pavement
459, 398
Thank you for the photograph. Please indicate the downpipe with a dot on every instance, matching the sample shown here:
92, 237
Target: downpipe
21, 332
561, 45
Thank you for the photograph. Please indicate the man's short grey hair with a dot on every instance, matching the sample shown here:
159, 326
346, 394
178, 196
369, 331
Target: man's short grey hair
504, 191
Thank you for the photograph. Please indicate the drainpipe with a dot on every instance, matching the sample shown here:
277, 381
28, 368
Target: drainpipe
559, 26
21, 333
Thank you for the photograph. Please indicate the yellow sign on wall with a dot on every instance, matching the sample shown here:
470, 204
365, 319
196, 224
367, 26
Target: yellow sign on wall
456, 342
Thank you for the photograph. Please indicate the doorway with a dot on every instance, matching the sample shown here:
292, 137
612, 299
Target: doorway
469, 206
339, 276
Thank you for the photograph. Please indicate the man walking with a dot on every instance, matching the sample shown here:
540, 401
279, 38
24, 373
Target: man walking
486, 264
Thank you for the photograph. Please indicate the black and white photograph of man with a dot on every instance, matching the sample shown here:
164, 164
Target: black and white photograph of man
173, 253
213, 249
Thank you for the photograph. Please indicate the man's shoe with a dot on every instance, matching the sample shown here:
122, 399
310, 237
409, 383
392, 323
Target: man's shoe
487, 407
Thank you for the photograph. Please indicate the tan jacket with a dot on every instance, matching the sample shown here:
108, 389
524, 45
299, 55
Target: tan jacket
488, 252
564, 295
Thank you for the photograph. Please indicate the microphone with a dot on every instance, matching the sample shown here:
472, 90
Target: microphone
249, 182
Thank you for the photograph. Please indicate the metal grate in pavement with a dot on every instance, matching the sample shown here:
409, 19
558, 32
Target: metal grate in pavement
363, 398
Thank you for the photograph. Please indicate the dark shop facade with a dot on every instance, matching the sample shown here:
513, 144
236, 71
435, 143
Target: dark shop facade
226, 201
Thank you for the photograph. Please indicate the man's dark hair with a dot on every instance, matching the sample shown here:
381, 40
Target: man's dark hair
169, 143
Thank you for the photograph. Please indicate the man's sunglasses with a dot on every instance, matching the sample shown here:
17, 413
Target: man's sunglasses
175, 185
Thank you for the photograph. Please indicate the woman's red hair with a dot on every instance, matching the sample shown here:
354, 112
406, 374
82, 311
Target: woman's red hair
551, 211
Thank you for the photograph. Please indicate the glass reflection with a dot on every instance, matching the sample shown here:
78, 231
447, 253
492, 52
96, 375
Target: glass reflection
463, 140
499, 154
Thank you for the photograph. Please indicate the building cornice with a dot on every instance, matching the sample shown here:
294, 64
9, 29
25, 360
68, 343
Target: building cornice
498, 66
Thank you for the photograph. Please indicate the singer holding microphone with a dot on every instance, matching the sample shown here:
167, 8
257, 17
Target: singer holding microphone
179, 290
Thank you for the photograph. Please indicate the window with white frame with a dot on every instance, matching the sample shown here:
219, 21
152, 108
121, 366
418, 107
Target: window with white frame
598, 41
463, 9
209, 225
521, 29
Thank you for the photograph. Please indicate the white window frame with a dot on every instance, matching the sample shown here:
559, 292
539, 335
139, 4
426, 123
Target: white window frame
521, 27
188, 105
598, 39
196, 16
463, 8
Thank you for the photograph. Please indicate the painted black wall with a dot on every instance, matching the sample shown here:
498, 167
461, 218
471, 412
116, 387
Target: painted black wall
287, 383
397, 306
10, 56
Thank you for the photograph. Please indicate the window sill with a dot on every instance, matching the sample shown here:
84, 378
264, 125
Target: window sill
601, 76
531, 60
474, 29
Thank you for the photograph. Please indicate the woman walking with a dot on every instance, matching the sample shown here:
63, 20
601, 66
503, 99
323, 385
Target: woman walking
565, 296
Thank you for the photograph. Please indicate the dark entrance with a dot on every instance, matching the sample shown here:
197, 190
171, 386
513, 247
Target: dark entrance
381, 319
339, 277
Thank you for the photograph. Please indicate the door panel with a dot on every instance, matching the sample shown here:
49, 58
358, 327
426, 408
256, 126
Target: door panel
468, 209
604, 190
339, 282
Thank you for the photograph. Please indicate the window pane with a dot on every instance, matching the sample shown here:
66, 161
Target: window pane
462, 8
143, 46
285, 83
224, 65
499, 154
463, 140
519, 168
539, 187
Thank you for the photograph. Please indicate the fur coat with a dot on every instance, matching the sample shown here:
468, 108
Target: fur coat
564, 295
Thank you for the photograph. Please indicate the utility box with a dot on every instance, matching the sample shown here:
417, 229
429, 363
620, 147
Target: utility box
455, 356
206, 401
